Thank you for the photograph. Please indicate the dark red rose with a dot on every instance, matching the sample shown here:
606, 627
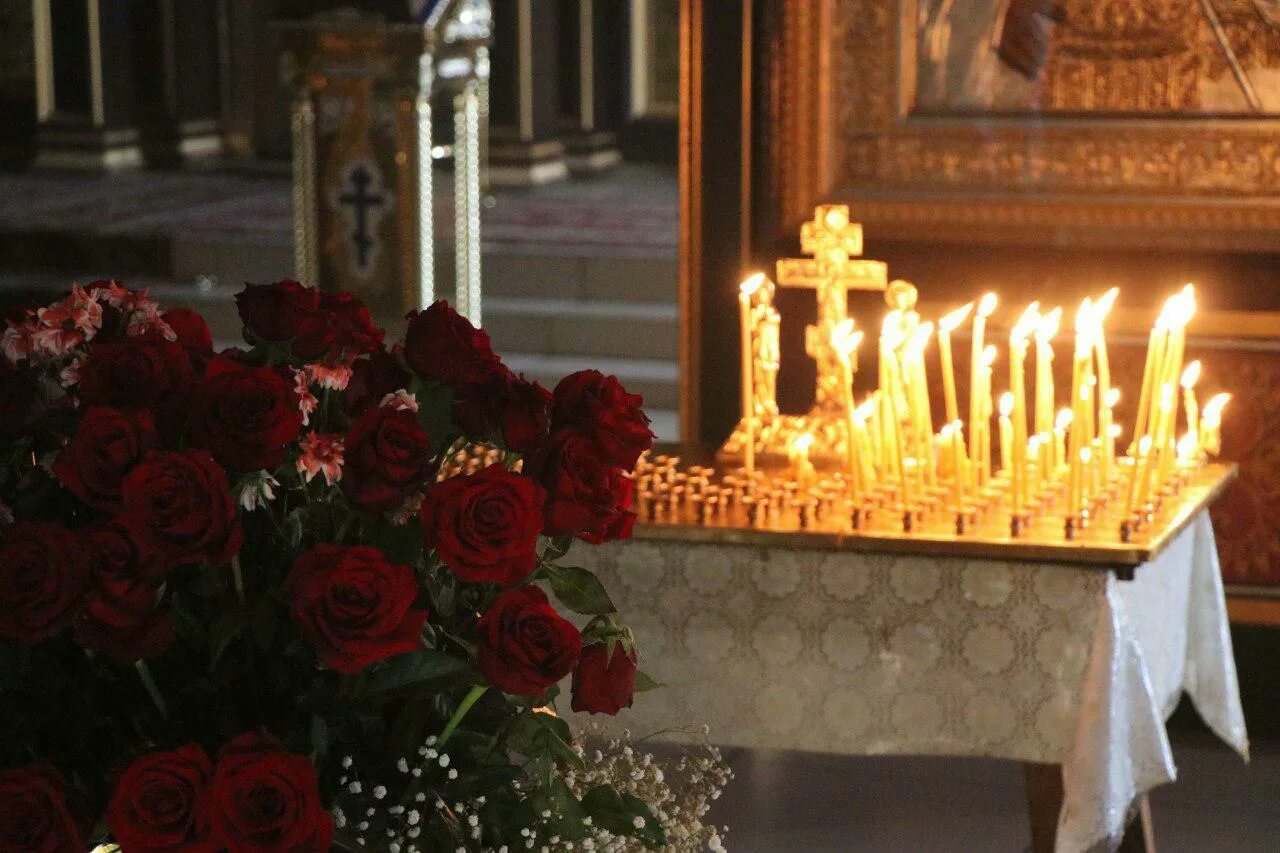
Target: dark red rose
34, 815
354, 606
441, 344
504, 406
586, 496
372, 379
108, 443
179, 509
191, 329
44, 572
341, 330
598, 407
143, 372
244, 416
277, 312
387, 454
114, 554
266, 799
604, 681
20, 401
161, 803
524, 645
485, 525
126, 620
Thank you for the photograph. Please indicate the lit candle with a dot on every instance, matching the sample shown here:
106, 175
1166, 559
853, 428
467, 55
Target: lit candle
918, 388
984, 402
1008, 455
863, 436
1046, 331
1060, 426
1211, 423
1190, 377
977, 363
802, 470
1155, 357
1143, 450
1152, 462
746, 291
1018, 382
958, 461
1102, 309
846, 342
1108, 432
946, 326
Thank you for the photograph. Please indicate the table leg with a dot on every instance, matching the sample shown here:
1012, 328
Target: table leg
1044, 803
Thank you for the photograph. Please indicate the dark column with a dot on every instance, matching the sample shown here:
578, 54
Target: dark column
17, 85
648, 128
524, 94
85, 83
593, 71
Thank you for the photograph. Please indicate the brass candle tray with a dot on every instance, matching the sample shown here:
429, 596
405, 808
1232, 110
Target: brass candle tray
987, 535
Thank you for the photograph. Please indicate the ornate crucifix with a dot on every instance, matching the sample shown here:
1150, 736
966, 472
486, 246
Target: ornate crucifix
835, 244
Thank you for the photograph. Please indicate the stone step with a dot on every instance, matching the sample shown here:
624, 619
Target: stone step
648, 330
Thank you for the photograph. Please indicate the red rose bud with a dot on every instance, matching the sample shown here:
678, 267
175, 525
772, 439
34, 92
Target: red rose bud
191, 329
485, 525
125, 620
604, 680
441, 344
245, 416
34, 814
107, 445
44, 572
387, 455
372, 379
524, 646
161, 803
146, 372
354, 606
277, 312
586, 496
266, 799
599, 408
179, 509
342, 330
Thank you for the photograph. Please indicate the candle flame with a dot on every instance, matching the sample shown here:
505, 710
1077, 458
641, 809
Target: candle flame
1166, 396
1049, 325
952, 321
1064, 418
989, 355
1116, 430
752, 284
802, 442
1187, 445
1006, 404
1144, 445
844, 339
1113, 397
1105, 303
1212, 414
1084, 317
866, 410
1190, 376
920, 339
987, 305
1026, 323
1086, 454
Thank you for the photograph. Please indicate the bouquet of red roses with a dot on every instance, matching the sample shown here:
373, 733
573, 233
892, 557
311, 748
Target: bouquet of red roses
254, 597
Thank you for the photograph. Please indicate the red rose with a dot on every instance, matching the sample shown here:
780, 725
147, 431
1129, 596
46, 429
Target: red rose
20, 401
244, 416
107, 445
161, 803
598, 407
126, 620
485, 525
441, 344
144, 372
372, 379
179, 509
266, 799
44, 572
342, 329
34, 815
506, 406
604, 681
386, 455
277, 312
354, 606
191, 329
524, 645
586, 497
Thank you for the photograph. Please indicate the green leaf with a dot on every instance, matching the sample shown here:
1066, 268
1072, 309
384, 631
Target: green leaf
645, 682
223, 632
538, 735
618, 812
557, 547
416, 668
580, 590
319, 736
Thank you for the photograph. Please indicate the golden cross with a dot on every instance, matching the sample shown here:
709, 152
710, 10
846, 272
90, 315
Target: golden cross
835, 244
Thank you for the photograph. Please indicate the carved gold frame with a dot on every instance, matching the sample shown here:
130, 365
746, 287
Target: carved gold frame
844, 73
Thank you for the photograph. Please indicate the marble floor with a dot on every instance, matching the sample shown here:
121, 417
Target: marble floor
785, 801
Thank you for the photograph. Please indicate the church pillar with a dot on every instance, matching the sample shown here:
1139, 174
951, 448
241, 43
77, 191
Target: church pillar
525, 103
593, 52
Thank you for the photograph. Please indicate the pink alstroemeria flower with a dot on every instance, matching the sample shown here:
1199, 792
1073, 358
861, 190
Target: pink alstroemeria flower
19, 340
401, 400
321, 454
307, 401
65, 325
331, 376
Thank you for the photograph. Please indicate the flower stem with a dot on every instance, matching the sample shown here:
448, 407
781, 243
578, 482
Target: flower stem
144, 673
467, 701
237, 577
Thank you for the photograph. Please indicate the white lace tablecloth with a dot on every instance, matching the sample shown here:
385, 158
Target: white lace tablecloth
873, 653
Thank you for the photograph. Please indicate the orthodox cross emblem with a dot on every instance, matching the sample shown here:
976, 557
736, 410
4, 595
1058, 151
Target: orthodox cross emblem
363, 203
835, 268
